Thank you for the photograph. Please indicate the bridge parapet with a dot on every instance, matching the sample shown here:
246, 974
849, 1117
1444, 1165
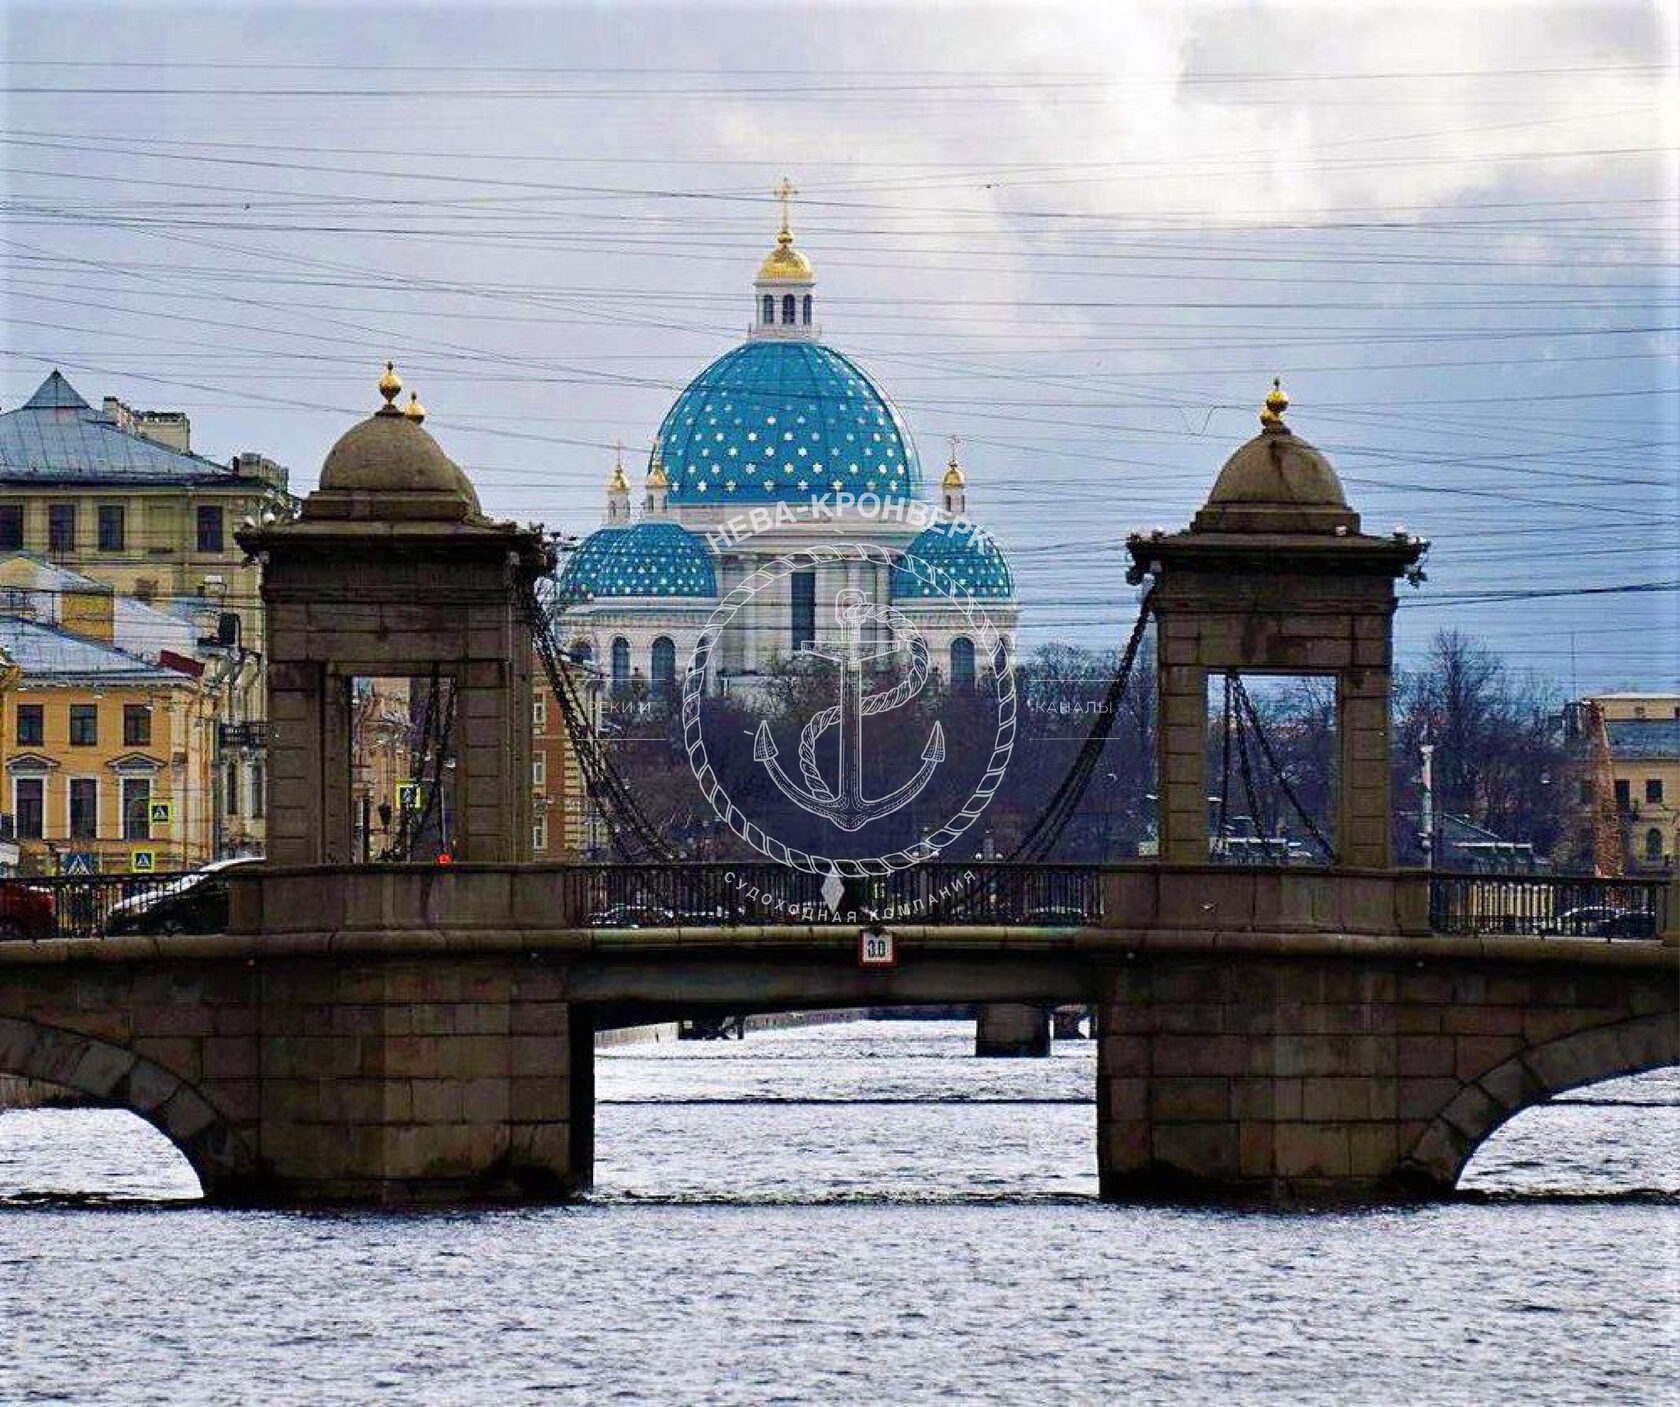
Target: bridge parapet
1274, 899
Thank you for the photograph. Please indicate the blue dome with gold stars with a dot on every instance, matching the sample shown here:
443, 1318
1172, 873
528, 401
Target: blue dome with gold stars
968, 558
779, 421
644, 559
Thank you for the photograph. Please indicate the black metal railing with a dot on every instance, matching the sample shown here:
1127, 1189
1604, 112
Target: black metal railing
1559, 906
716, 895
88, 906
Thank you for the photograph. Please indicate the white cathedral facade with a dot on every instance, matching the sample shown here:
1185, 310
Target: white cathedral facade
781, 444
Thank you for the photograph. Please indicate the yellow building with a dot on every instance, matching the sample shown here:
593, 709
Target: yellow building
564, 825
118, 496
1644, 734
107, 757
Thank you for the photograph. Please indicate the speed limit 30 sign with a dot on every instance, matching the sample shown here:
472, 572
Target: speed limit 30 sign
875, 948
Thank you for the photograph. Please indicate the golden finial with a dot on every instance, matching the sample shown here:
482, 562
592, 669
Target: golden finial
1277, 401
784, 190
414, 410
390, 384
616, 482
656, 468
953, 472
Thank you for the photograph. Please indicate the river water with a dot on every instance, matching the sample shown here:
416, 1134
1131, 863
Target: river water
856, 1213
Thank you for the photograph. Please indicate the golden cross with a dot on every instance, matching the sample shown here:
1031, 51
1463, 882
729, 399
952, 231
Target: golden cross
953, 449
784, 190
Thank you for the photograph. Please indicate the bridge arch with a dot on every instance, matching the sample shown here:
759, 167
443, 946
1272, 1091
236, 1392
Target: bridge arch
116, 1076
1532, 1076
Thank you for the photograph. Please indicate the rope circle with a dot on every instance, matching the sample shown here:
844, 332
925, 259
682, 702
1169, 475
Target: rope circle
693, 693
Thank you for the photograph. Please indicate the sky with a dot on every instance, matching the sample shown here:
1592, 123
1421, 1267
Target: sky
1083, 240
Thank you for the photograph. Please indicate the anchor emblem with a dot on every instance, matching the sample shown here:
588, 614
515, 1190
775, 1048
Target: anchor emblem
844, 803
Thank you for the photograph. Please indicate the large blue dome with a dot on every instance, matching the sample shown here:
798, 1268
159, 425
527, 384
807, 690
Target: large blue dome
775, 421
967, 556
647, 559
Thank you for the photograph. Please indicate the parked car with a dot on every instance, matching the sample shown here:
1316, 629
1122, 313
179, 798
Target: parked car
25, 911
1606, 921
191, 903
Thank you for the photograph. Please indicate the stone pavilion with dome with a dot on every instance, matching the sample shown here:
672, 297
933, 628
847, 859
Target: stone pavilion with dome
780, 444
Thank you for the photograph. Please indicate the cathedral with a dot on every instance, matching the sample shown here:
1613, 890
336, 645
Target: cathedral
782, 444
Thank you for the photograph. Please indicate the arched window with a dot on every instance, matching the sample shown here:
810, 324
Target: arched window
805, 315
789, 308
1653, 844
582, 651
962, 663
769, 308
664, 665
620, 664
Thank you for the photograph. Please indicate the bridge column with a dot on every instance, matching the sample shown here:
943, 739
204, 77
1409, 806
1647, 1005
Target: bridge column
1275, 577
1012, 1029
393, 571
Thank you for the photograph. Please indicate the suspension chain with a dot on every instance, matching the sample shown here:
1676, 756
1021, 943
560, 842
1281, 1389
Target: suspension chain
1247, 705
629, 831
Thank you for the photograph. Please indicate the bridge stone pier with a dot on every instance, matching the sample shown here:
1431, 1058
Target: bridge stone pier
413, 1032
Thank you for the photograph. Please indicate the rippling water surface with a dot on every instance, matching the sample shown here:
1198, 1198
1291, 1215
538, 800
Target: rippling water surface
851, 1213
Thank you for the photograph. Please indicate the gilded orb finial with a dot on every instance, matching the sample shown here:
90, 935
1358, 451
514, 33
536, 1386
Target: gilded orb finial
414, 410
390, 383
1277, 401
953, 471
656, 466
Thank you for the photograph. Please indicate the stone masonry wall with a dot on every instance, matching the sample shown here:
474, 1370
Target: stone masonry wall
1307, 1077
313, 1079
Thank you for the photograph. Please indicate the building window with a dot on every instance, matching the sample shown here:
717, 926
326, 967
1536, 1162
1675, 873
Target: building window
256, 791
802, 589
11, 527
1624, 798
539, 771
539, 835
1639, 710
231, 789
113, 536
1583, 792
30, 725
84, 808
209, 528
539, 711
805, 312
788, 308
1653, 790
620, 664
84, 725
1653, 844
136, 808
664, 665
61, 527
29, 806
962, 663
137, 725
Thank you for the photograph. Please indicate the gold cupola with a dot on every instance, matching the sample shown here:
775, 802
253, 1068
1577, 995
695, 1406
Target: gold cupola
784, 263
784, 291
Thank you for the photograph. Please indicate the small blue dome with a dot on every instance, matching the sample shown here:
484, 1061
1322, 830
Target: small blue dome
644, 559
781, 421
968, 556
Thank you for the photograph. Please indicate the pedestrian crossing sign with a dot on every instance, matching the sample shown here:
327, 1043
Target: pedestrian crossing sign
143, 861
408, 796
160, 813
77, 862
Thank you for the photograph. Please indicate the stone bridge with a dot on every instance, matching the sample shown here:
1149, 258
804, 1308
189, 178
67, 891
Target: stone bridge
413, 1033
396, 1032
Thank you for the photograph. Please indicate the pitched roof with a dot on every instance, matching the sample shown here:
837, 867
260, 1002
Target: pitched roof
44, 652
55, 434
